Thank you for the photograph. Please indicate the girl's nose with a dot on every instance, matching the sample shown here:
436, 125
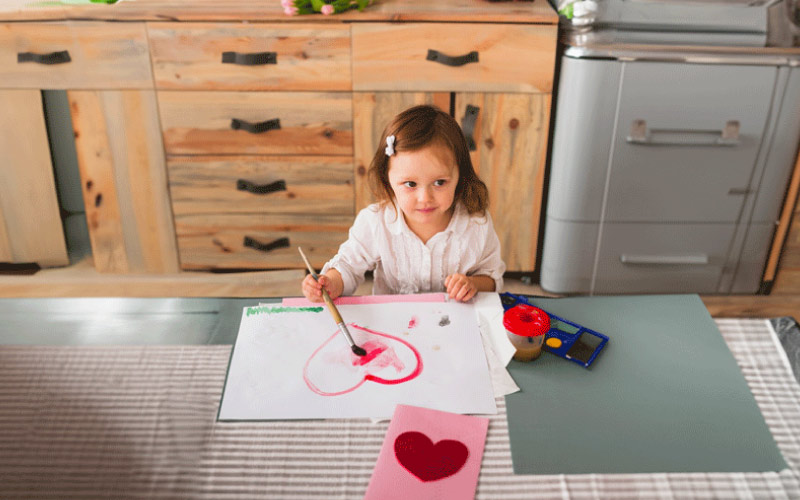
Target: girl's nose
425, 194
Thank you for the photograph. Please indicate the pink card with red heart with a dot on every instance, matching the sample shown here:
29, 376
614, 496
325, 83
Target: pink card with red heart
429, 454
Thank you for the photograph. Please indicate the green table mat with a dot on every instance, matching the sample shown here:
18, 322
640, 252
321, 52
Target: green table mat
664, 395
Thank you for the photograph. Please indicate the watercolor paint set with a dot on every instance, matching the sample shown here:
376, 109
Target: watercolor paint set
565, 338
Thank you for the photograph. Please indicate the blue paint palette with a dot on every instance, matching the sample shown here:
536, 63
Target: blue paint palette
565, 339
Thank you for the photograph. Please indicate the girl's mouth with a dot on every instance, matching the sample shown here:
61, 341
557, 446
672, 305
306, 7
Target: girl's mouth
426, 210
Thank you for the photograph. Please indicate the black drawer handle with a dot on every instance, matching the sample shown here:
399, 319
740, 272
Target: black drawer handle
250, 59
255, 128
435, 55
51, 58
245, 185
266, 247
468, 125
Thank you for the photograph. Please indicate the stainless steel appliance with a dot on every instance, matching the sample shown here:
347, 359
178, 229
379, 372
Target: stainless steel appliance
676, 129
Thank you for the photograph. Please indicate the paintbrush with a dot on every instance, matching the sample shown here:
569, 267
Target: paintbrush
358, 351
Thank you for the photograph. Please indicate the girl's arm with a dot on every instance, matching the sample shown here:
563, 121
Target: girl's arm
490, 264
483, 283
357, 255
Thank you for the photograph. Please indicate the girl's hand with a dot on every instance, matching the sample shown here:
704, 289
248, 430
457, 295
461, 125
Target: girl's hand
312, 289
460, 287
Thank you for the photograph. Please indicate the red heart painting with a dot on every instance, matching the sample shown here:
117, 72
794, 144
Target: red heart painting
428, 461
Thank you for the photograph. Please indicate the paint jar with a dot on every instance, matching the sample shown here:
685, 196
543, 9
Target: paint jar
526, 326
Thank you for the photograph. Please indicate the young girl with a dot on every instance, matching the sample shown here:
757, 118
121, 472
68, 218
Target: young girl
429, 231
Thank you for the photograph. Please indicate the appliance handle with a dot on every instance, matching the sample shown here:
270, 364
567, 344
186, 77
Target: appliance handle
665, 260
641, 135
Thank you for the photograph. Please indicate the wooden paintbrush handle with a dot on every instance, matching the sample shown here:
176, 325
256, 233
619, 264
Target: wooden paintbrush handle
332, 307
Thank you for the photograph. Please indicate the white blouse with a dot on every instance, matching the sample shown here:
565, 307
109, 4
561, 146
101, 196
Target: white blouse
381, 241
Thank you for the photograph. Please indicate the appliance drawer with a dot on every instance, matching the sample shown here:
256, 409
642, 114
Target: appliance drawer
453, 57
229, 56
317, 123
663, 258
687, 141
258, 241
261, 184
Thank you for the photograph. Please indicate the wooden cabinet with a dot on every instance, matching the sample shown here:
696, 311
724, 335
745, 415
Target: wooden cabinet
59, 55
206, 142
250, 91
106, 70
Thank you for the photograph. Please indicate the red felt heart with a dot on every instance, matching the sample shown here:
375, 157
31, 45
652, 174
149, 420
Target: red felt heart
428, 461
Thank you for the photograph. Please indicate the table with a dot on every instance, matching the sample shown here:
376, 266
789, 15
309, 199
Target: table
80, 418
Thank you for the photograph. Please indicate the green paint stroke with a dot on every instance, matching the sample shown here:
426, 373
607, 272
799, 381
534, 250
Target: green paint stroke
271, 310
59, 3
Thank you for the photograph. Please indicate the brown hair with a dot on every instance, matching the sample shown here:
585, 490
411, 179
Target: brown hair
419, 127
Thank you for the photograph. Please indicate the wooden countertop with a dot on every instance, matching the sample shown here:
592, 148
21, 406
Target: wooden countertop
538, 11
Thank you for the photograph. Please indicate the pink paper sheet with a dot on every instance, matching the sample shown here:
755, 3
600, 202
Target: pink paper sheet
391, 479
369, 299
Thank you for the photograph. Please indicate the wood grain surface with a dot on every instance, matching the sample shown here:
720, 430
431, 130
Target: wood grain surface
307, 56
103, 55
511, 58
29, 213
215, 242
124, 180
539, 11
313, 184
310, 122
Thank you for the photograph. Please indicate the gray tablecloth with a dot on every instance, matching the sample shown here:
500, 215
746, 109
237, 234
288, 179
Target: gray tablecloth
139, 422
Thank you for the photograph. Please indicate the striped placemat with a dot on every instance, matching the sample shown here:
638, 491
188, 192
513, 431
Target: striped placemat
139, 422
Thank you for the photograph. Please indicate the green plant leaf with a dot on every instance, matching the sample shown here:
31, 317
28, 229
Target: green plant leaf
317, 5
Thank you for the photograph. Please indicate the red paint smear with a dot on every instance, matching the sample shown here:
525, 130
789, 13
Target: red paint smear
368, 376
373, 348
412, 323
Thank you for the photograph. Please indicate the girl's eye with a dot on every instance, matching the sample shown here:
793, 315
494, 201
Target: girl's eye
410, 184
439, 182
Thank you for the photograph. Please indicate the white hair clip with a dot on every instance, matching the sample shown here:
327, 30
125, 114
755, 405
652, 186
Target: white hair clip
389, 145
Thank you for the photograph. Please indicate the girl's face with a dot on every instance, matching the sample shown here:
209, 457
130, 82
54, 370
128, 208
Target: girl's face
424, 185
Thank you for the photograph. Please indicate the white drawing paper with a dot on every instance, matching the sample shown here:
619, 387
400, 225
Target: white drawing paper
292, 362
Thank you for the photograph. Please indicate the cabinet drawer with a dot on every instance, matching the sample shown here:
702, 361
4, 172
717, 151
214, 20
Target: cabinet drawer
250, 57
503, 58
74, 56
279, 122
262, 184
208, 242
663, 258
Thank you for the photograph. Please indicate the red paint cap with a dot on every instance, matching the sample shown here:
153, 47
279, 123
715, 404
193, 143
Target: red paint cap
527, 321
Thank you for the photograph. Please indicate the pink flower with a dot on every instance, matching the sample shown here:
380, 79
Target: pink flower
327, 9
287, 3
290, 10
